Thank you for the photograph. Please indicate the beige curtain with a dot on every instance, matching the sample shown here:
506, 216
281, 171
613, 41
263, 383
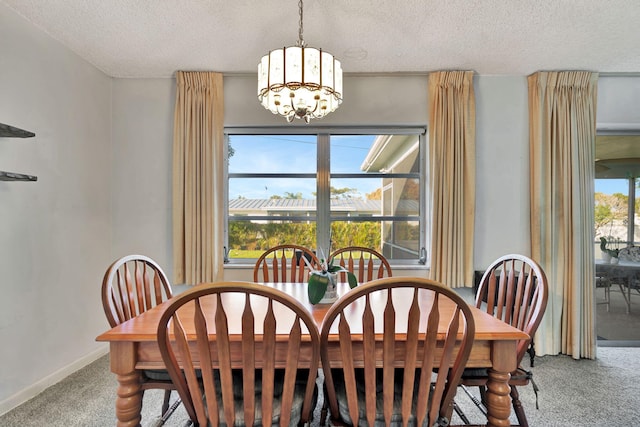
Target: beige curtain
452, 133
198, 152
562, 124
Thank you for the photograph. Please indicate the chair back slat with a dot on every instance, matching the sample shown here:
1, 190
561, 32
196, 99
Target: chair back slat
276, 269
141, 287
414, 399
131, 292
204, 353
131, 285
510, 295
122, 295
442, 392
283, 267
295, 338
500, 302
224, 361
350, 261
200, 324
365, 263
157, 288
369, 343
519, 298
411, 355
514, 288
388, 357
228, 359
284, 263
248, 361
430, 343
490, 293
370, 269
361, 269
268, 356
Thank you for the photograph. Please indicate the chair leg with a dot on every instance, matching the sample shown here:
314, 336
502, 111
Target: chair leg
167, 410
483, 395
325, 408
532, 353
165, 402
460, 413
518, 408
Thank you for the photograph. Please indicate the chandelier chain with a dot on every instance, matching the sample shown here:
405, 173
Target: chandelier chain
300, 39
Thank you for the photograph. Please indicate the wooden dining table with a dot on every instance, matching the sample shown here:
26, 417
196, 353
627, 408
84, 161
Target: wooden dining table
134, 348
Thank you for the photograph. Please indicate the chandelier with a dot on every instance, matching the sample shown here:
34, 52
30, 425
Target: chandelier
299, 81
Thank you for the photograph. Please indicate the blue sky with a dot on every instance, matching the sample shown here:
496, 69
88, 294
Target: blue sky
610, 186
297, 153
294, 154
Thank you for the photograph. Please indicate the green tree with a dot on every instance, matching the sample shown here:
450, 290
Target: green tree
609, 210
374, 195
343, 193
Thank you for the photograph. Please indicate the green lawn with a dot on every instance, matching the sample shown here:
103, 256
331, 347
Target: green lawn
239, 253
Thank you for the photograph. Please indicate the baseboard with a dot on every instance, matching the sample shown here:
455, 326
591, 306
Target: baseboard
613, 343
46, 382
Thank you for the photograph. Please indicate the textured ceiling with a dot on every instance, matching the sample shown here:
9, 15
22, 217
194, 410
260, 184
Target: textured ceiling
151, 38
617, 156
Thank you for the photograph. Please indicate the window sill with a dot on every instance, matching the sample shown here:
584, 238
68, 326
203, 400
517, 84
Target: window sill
244, 266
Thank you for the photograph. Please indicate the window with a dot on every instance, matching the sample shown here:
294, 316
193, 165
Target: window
617, 188
345, 186
614, 219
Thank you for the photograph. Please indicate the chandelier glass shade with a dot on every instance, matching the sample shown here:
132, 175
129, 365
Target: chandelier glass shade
300, 82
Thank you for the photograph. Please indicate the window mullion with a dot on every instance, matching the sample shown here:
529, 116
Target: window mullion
323, 201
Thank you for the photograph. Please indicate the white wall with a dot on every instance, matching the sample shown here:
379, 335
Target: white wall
502, 168
142, 168
54, 233
368, 100
618, 103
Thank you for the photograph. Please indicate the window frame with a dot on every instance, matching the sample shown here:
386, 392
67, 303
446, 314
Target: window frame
323, 176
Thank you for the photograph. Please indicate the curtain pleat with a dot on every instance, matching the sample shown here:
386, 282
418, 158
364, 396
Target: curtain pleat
198, 145
562, 123
452, 176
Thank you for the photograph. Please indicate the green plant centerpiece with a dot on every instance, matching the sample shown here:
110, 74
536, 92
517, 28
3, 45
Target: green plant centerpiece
322, 281
613, 253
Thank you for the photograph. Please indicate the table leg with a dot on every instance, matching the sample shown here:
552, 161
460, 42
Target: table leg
503, 359
629, 282
129, 395
498, 398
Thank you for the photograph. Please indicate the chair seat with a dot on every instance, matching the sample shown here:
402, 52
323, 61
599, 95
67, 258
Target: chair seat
157, 374
296, 409
163, 375
396, 418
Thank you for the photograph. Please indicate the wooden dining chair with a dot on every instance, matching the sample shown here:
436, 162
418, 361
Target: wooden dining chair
410, 368
227, 376
132, 285
514, 289
284, 263
366, 263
